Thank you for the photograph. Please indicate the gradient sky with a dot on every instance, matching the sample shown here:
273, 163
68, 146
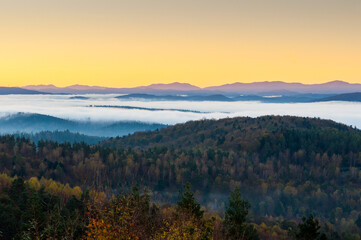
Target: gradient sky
122, 43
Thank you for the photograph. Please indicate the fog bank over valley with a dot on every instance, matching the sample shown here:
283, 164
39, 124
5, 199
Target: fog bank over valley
106, 108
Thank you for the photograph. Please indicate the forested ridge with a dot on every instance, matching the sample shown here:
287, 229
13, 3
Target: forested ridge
287, 167
231, 133
61, 136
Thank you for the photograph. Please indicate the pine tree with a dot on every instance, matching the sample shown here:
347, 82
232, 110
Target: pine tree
188, 204
358, 221
309, 229
235, 220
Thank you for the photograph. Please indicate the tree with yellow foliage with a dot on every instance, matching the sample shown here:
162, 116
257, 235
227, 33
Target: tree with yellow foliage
110, 221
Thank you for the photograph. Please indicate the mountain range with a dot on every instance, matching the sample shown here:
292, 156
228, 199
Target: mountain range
260, 88
273, 92
83, 89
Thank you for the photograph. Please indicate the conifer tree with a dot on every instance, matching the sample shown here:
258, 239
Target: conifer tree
309, 229
188, 203
235, 220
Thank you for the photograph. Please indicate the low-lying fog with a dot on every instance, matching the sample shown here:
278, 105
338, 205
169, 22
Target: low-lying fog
77, 108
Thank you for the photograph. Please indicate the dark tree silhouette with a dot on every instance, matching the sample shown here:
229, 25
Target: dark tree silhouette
358, 221
235, 220
309, 229
188, 204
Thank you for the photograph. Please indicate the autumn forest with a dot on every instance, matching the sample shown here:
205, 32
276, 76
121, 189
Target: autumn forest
236, 178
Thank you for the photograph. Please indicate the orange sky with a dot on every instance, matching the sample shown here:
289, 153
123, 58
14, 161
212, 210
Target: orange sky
120, 43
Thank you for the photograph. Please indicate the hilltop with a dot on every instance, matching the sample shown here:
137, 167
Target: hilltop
229, 133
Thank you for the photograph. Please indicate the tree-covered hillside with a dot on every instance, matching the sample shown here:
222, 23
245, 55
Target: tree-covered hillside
287, 167
61, 137
241, 133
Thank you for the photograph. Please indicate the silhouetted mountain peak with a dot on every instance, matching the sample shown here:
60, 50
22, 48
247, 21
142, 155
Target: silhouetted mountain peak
337, 82
176, 86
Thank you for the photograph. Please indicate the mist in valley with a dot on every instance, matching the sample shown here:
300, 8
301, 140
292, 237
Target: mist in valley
111, 110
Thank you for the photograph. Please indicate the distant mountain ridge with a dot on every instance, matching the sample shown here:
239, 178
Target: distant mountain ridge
273, 92
82, 89
176, 86
346, 97
332, 87
276, 87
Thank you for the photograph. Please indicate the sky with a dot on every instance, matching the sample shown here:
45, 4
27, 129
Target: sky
127, 43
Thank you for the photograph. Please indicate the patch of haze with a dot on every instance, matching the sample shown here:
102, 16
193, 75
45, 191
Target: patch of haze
273, 96
76, 109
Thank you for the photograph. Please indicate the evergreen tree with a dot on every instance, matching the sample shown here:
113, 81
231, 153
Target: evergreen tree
235, 220
309, 229
358, 221
188, 203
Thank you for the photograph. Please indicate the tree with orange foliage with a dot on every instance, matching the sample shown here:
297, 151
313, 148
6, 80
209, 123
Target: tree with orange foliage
111, 221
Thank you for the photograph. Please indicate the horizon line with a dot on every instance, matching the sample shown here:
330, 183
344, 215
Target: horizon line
186, 83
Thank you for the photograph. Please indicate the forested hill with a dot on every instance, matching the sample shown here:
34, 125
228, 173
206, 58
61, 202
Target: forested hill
287, 167
245, 133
